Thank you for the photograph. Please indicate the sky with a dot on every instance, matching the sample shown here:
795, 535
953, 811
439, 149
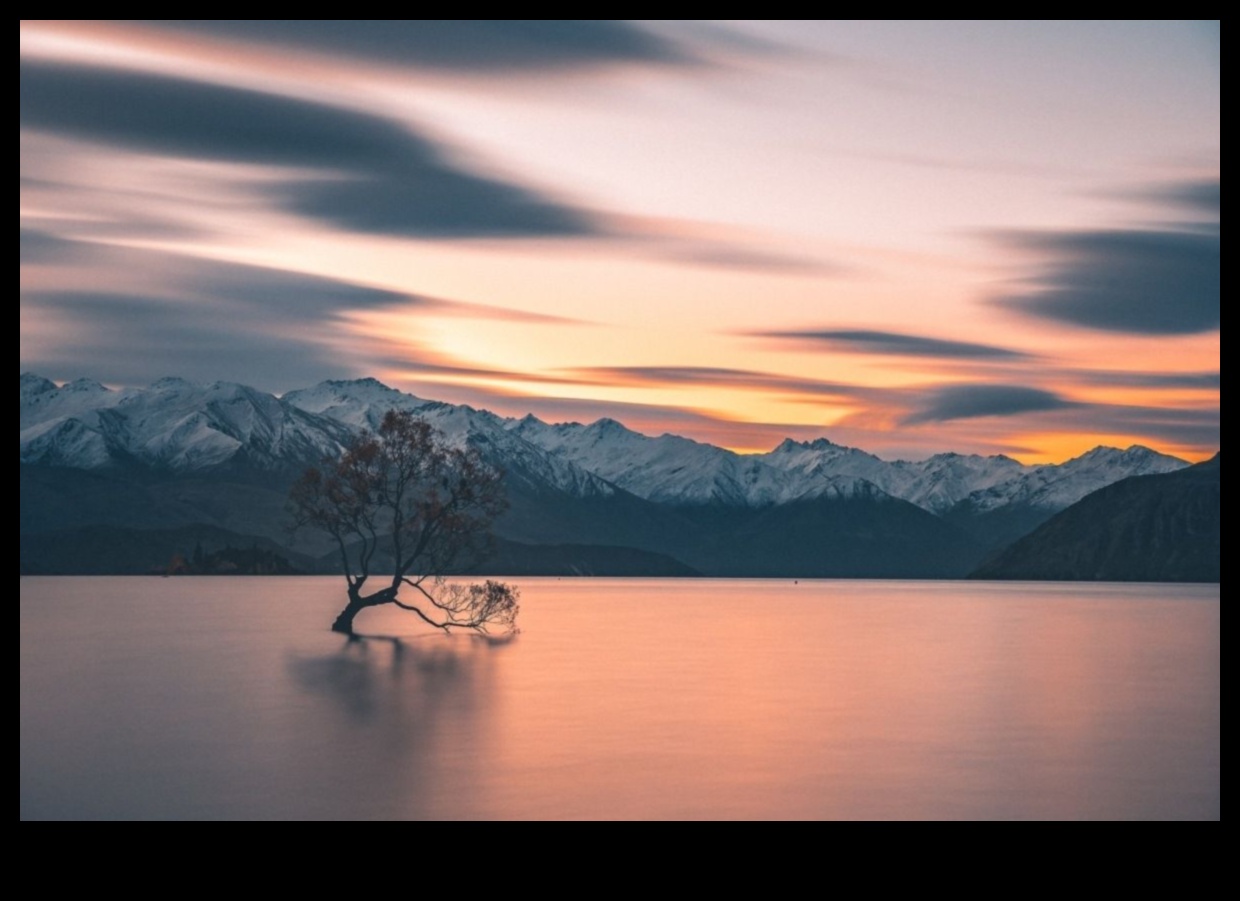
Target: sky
989, 237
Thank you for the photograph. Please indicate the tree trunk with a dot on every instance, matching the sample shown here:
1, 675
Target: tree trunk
344, 622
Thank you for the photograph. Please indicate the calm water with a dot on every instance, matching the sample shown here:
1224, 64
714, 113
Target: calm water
227, 698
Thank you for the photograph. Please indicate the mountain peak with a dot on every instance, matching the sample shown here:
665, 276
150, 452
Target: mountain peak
608, 426
528, 421
1130, 453
171, 382
31, 384
790, 444
369, 382
83, 385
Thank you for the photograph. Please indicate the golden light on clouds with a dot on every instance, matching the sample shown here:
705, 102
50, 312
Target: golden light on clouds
647, 218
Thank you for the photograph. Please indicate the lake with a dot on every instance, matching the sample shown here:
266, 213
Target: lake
224, 698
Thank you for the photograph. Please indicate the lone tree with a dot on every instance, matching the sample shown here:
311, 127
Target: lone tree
402, 500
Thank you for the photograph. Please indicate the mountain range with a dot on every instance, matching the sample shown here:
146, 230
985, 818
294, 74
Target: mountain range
1154, 528
177, 455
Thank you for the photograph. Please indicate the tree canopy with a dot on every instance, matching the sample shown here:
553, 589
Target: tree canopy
402, 500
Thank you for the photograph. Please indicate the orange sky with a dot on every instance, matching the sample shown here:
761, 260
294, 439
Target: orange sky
907, 237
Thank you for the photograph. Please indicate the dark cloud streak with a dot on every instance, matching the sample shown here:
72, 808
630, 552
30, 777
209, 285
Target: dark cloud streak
1134, 282
665, 376
209, 319
130, 337
378, 177
36, 246
974, 401
1164, 380
1200, 196
500, 47
895, 344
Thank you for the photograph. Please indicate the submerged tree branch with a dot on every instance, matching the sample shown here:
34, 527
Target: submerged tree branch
406, 490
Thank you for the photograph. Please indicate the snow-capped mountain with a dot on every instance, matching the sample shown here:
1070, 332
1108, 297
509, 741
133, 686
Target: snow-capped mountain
175, 456
41, 401
668, 469
180, 427
1162, 527
173, 425
935, 484
1056, 486
358, 403
674, 470
361, 404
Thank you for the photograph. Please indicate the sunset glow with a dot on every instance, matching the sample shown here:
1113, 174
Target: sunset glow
909, 238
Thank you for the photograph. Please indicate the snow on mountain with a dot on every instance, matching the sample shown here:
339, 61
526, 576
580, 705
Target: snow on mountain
180, 426
1057, 486
362, 404
934, 484
674, 470
42, 402
172, 425
65, 442
357, 403
942, 481
33, 385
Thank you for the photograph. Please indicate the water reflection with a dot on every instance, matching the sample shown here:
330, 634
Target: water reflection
387, 674
399, 723
221, 698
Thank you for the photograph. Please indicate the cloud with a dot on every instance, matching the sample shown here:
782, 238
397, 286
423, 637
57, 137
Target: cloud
279, 293
349, 169
36, 246
430, 201
209, 319
895, 344
125, 339
370, 174
725, 254
1134, 282
1177, 426
1204, 196
974, 401
468, 310
407, 366
203, 319
1168, 380
711, 244
475, 45
1201, 196
664, 376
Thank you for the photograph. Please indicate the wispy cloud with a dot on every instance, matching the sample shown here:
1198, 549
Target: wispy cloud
974, 401
343, 168
1203, 196
1136, 282
35, 246
347, 168
1154, 380
468, 310
501, 47
724, 253
743, 379
894, 344
204, 318
1174, 426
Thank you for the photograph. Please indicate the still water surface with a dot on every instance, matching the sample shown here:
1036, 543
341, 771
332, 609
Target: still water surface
228, 698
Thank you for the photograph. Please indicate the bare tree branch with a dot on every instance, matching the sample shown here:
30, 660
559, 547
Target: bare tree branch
406, 491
